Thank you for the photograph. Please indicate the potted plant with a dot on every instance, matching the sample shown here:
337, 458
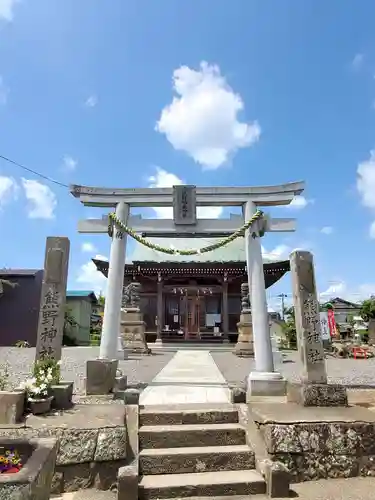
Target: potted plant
38, 386
61, 391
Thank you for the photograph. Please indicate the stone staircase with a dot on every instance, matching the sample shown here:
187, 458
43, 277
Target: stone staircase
195, 453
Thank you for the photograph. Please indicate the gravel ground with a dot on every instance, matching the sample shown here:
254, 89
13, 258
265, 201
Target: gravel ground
140, 370
344, 371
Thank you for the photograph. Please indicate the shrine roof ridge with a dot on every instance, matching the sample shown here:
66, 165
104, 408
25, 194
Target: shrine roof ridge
281, 194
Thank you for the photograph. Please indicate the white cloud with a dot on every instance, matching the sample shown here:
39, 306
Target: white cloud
88, 247
8, 190
91, 101
69, 163
366, 181
280, 252
352, 294
42, 200
7, 8
299, 202
4, 91
366, 186
91, 278
162, 178
357, 61
202, 119
327, 230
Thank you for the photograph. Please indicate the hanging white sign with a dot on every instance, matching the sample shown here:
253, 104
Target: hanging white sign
324, 325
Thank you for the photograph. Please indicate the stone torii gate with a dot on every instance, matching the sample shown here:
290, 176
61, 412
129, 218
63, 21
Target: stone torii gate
185, 200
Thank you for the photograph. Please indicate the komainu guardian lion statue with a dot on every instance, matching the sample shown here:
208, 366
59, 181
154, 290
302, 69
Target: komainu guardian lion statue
131, 295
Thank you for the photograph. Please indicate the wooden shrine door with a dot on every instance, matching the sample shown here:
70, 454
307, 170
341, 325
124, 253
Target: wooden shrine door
192, 317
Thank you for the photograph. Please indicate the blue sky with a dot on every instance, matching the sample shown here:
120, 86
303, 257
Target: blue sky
249, 92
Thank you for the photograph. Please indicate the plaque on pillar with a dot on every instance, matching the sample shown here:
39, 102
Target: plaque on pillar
133, 329
313, 390
244, 347
184, 205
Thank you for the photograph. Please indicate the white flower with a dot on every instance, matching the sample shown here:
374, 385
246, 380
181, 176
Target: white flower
59, 362
49, 377
43, 387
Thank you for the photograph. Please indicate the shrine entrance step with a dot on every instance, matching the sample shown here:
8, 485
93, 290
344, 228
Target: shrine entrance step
195, 452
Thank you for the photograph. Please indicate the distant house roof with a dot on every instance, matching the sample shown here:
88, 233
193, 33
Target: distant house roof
338, 300
233, 252
82, 294
19, 272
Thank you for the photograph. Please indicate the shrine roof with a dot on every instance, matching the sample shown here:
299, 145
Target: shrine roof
233, 252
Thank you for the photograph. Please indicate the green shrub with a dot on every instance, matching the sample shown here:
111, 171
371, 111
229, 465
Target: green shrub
46, 365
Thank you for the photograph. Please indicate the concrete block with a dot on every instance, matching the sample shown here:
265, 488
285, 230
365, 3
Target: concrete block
317, 394
131, 396
100, 376
127, 482
277, 479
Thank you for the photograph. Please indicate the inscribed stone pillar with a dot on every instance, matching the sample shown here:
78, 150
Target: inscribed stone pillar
306, 310
53, 298
314, 390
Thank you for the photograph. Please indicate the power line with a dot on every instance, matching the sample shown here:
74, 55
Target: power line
45, 177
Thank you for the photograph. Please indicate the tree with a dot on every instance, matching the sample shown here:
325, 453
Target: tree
69, 324
367, 311
6, 283
101, 299
289, 326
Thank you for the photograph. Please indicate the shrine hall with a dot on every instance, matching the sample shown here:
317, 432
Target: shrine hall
195, 298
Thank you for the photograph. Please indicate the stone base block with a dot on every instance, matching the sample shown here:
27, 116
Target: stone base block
62, 394
238, 395
120, 387
121, 383
100, 376
277, 478
244, 349
127, 482
265, 384
12, 406
317, 394
131, 396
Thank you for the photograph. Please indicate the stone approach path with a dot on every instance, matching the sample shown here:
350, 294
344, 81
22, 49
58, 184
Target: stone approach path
190, 377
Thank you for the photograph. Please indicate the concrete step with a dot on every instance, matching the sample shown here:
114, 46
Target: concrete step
202, 484
150, 416
174, 436
196, 459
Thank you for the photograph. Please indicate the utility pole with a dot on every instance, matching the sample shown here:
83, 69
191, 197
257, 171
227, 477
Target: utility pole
283, 296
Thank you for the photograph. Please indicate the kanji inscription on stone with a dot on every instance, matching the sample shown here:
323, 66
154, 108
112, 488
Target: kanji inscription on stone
307, 318
184, 205
53, 298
